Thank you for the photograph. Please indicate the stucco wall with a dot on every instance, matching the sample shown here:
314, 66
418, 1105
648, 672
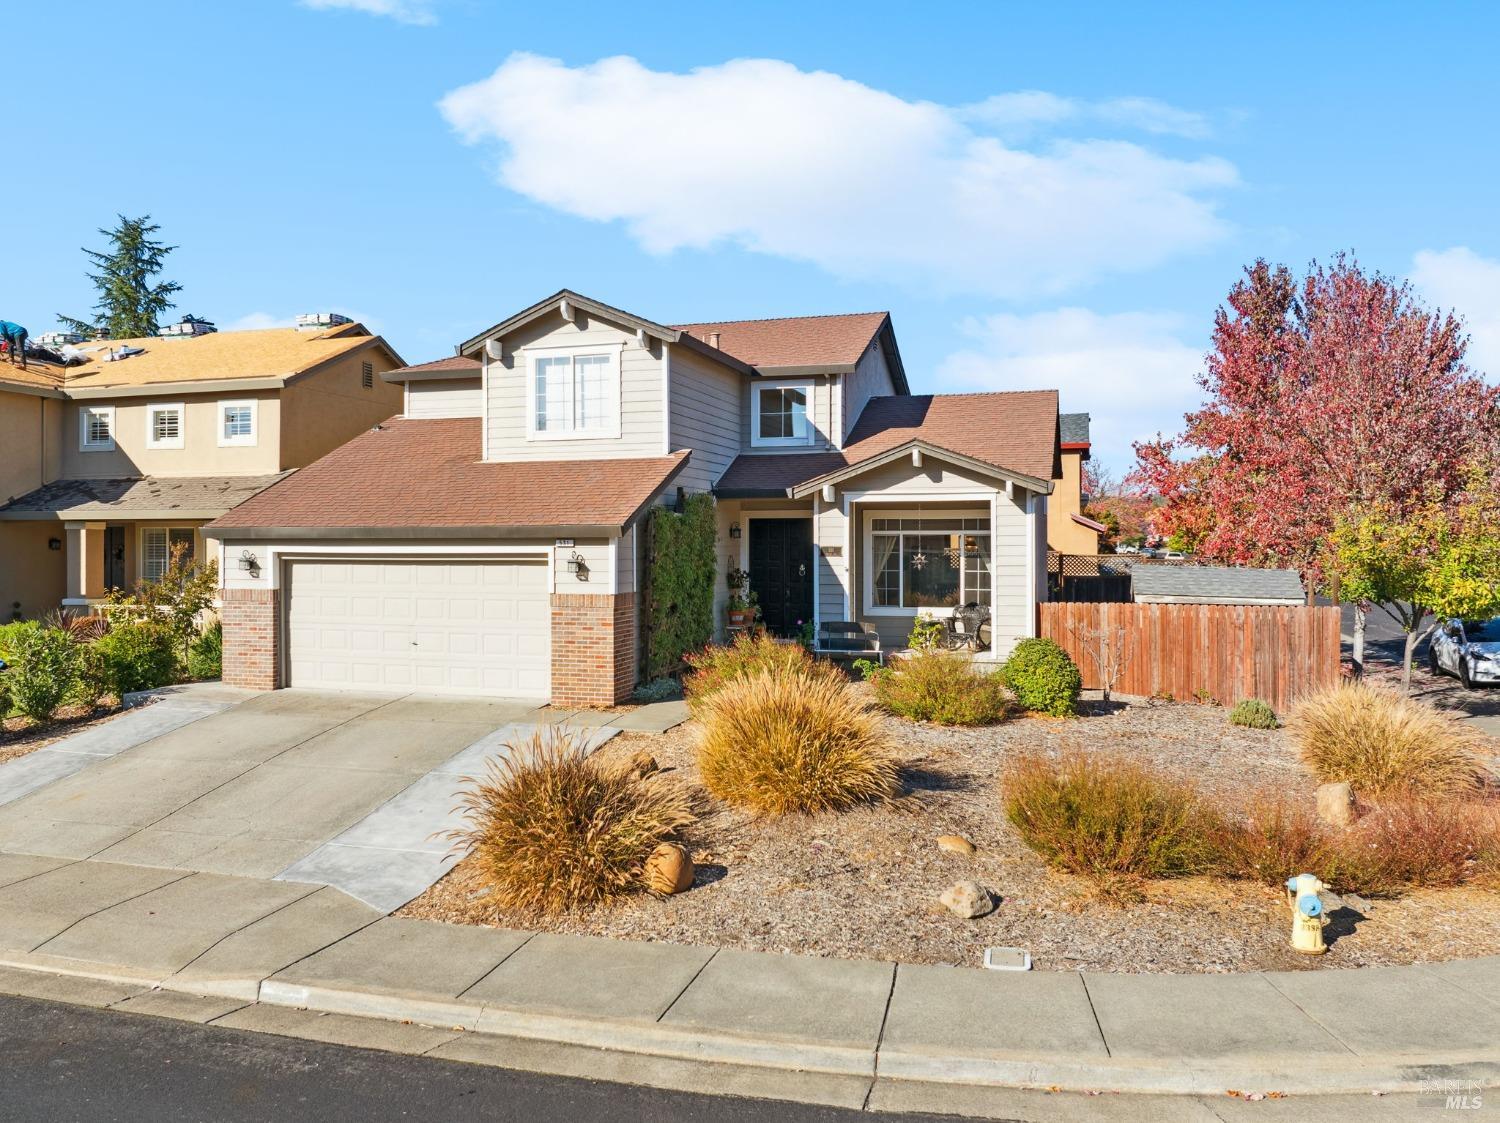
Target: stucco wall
1063, 534
330, 406
30, 442
31, 574
200, 454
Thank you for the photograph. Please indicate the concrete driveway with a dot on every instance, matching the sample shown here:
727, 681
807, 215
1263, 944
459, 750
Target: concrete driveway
337, 789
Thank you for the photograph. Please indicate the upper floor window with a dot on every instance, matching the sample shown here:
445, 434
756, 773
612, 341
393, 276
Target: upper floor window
164, 426
573, 394
779, 414
96, 428
237, 423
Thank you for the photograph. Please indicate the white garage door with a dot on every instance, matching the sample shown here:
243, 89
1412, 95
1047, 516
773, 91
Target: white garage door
446, 627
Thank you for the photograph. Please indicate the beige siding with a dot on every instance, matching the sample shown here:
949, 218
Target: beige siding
824, 420
200, 454
829, 533
444, 397
871, 378
705, 401
641, 411
331, 406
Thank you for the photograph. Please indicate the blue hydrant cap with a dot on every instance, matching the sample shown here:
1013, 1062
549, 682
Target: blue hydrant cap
1310, 905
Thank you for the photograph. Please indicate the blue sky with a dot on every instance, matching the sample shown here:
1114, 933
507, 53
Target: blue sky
1042, 195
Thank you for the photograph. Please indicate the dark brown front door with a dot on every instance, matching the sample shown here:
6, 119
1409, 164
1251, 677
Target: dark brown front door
114, 557
781, 573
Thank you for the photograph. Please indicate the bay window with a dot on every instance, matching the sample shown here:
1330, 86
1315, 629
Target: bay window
929, 563
573, 394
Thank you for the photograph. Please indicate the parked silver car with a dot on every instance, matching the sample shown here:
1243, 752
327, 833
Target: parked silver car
1469, 649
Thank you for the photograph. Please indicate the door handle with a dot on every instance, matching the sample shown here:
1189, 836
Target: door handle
801, 569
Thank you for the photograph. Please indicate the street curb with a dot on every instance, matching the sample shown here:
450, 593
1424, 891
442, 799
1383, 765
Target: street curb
913, 1070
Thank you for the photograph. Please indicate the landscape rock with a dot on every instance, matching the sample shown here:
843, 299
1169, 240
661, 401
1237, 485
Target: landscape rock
955, 844
1336, 804
967, 899
643, 764
669, 869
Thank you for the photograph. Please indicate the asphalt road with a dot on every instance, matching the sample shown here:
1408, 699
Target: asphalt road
92, 1066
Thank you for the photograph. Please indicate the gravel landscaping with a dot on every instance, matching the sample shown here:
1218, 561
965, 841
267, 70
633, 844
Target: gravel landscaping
865, 883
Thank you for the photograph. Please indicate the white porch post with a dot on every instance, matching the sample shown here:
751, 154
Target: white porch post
996, 498
1033, 578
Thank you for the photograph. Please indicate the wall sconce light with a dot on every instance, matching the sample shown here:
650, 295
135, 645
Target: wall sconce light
734, 530
54, 543
249, 563
578, 567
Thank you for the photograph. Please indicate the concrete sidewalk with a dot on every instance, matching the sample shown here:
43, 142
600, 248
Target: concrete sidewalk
257, 954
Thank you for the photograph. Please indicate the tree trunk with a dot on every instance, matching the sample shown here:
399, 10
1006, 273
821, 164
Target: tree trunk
1412, 639
1359, 640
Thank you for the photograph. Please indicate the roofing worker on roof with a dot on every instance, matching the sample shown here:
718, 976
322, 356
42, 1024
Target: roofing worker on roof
15, 341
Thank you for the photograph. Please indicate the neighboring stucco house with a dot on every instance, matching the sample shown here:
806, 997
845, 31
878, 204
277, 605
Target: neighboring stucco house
489, 540
1069, 530
108, 464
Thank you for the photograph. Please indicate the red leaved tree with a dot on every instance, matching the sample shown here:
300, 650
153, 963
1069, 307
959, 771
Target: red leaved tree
1324, 398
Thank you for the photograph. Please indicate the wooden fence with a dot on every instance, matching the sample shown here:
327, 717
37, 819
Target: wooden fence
1221, 651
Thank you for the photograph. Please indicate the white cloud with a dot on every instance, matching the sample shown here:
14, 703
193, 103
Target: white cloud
819, 168
1027, 110
402, 11
1130, 370
1469, 284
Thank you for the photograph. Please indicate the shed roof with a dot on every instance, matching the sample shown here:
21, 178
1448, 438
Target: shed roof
1216, 584
424, 478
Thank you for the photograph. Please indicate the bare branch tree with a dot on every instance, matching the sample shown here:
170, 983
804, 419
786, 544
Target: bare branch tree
1108, 647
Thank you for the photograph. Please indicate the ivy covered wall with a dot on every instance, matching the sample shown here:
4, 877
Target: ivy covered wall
679, 609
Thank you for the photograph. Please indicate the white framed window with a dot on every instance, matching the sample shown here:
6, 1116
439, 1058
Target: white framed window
157, 544
237, 423
573, 395
931, 564
779, 414
96, 429
164, 425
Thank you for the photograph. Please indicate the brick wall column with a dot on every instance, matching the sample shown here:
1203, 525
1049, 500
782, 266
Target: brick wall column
252, 637
593, 648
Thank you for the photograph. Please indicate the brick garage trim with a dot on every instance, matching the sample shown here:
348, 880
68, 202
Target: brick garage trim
593, 648
252, 637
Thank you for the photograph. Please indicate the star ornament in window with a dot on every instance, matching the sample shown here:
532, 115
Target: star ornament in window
919, 561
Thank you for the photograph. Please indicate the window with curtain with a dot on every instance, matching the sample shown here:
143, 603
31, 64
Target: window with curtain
157, 544
572, 395
930, 563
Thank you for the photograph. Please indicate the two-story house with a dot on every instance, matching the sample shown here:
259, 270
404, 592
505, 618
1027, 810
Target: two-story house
109, 463
489, 540
1069, 530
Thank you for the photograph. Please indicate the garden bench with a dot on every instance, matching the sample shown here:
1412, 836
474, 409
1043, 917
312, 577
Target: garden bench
844, 639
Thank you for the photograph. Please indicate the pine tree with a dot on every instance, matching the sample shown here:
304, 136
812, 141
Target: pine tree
128, 302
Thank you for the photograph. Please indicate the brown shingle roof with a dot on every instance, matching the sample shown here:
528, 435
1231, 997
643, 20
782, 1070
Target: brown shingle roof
794, 341
427, 475
460, 364
200, 497
1015, 431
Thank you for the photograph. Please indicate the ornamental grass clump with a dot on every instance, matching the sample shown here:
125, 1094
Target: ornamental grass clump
1384, 743
554, 829
1043, 677
793, 740
1109, 819
716, 665
942, 687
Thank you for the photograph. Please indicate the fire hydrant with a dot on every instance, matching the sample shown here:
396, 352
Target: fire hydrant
1307, 913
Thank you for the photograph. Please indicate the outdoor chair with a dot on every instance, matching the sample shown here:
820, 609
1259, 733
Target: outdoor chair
968, 627
844, 639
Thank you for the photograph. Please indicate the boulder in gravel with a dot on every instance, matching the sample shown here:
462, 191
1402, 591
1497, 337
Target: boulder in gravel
1336, 804
643, 764
968, 900
668, 869
955, 844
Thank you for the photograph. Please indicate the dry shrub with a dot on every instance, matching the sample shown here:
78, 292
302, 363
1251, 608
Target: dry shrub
1386, 744
554, 829
719, 664
1418, 844
942, 687
1278, 837
793, 740
1109, 819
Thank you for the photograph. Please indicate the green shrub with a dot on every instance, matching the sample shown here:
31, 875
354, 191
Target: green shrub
717, 665
1383, 743
1043, 678
793, 740
658, 690
679, 608
1253, 714
137, 654
44, 671
1109, 819
206, 653
942, 687
11, 634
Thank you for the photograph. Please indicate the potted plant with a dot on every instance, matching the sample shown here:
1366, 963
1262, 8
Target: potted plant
741, 607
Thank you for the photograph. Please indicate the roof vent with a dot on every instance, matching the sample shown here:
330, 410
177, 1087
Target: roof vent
188, 327
321, 321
